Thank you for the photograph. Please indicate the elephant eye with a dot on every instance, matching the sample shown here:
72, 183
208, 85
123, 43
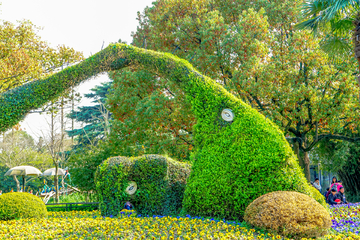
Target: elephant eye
227, 115
131, 188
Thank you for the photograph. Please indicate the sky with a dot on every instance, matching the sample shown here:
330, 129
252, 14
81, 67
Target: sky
85, 25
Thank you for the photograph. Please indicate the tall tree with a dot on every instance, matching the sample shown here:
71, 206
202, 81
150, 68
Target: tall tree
257, 55
25, 57
56, 143
97, 118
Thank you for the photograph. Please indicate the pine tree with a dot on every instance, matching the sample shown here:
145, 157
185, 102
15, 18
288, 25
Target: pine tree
96, 118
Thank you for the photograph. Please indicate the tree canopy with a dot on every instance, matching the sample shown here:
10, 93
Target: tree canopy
25, 57
253, 50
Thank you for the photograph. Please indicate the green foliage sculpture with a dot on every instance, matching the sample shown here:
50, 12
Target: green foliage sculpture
235, 161
160, 184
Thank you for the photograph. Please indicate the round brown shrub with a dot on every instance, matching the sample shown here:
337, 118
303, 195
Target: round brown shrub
18, 205
290, 214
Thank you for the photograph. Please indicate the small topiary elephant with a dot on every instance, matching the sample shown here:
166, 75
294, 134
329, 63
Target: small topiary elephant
152, 183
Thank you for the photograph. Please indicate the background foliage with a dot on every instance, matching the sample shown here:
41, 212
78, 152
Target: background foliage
25, 57
83, 163
148, 116
18, 148
342, 158
252, 49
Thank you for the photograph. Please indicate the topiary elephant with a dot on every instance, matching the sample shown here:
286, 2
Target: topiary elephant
239, 155
154, 184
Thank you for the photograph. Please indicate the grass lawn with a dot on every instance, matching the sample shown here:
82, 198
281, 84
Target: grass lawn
90, 225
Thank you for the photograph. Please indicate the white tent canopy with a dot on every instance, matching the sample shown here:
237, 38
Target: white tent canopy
23, 171
51, 172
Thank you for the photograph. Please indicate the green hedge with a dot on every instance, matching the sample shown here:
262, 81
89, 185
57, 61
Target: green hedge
17, 205
71, 207
234, 162
160, 181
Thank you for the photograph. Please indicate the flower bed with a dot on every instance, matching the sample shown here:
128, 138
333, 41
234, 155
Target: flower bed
346, 218
128, 225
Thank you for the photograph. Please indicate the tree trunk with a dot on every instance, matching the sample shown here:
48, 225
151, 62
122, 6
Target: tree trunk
356, 41
17, 183
56, 182
304, 161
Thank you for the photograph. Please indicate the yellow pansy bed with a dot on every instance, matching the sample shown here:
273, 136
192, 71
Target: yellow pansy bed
90, 225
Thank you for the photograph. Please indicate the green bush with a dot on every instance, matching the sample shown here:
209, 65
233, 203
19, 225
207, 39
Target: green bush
160, 182
18, 205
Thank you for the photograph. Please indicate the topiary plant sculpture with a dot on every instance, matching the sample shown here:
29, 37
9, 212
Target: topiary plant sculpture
154, 184
239, 156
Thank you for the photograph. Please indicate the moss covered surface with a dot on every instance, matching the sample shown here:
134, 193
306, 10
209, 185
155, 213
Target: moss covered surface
234, 162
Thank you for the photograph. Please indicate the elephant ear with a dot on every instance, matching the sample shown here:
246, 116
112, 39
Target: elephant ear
111, 181
149, 172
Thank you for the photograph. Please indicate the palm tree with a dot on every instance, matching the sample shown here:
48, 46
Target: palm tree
335, 21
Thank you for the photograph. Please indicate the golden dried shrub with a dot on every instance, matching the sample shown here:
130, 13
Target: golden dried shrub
289, 214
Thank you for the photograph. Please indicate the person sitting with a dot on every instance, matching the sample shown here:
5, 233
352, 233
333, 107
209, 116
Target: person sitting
334, 199
326, 194
341, 195
128, 206
336, 185
339, 185
334, 180
317, 185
